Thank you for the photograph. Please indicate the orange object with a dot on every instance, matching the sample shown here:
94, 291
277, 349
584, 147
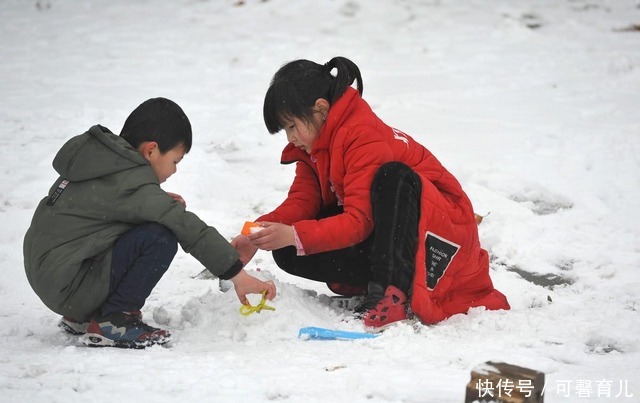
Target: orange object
247, 228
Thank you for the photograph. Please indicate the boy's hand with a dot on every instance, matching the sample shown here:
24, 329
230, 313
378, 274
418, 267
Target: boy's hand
244, 247
245, 284
273, 236
177, 198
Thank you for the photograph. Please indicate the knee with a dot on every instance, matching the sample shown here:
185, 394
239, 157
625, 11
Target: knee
163, 236
393, 171
393, 168
393, 174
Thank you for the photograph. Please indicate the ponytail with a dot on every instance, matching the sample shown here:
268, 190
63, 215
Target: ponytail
347, 73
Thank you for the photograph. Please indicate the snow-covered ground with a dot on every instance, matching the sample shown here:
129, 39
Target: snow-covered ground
533, 105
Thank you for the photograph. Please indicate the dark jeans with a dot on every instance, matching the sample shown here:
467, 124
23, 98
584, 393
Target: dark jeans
387, 257
141, 256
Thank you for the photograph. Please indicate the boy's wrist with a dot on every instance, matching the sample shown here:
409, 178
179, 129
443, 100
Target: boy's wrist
232, 271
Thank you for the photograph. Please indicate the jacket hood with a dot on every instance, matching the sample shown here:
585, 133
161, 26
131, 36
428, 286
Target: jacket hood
95, 154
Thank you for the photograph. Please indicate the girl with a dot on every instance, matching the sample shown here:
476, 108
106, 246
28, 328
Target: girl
370, 210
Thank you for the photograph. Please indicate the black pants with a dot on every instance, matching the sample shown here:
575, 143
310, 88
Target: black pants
387, 257
141, 256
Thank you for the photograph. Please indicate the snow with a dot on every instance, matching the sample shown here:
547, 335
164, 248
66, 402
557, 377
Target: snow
533, 105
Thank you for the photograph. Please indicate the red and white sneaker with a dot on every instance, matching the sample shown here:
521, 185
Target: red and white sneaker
391, 308
78, 328
124, 330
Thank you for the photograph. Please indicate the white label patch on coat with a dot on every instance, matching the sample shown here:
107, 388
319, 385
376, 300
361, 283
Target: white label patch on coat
56, 193
439, 254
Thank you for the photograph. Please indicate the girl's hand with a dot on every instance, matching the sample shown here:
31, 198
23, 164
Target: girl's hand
245, 248
178, 198
273, 236
245, 284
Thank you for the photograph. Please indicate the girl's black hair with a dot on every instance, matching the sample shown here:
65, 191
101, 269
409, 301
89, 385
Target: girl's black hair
295, 88
160, 120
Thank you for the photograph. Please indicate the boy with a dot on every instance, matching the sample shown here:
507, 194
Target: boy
106, 233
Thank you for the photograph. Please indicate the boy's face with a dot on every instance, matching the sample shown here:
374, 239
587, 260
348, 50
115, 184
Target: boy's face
164, 165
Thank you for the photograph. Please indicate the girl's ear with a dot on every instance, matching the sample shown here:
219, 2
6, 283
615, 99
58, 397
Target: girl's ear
148, 148
322, 106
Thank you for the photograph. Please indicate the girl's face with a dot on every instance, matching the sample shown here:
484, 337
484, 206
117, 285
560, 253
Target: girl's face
301, 133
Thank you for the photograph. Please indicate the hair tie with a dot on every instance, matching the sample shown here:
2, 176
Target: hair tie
328, 67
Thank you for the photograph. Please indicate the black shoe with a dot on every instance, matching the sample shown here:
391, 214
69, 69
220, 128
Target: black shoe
375, 292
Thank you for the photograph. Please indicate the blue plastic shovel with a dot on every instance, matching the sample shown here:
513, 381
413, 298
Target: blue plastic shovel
320, 333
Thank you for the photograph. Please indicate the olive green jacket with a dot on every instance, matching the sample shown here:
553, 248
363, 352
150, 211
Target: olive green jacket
105, 188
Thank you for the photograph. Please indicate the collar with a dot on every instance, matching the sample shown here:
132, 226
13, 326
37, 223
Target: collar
335, 118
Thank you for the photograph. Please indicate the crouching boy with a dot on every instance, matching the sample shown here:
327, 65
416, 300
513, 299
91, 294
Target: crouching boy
102, 238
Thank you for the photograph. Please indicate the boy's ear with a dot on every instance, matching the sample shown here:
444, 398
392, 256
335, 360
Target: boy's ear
147, 149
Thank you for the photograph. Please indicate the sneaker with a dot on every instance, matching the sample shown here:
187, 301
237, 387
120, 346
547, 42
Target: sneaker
375, 292
124, 330
391, 308
73, 326
347, 290
78, 328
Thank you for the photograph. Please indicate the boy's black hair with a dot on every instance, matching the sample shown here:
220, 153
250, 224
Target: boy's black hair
297, 85
160, 120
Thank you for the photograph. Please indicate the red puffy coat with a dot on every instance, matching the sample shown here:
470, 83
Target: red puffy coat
452, 271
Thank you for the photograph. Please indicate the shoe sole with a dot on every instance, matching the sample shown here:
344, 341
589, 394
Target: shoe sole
96, 340
76, 329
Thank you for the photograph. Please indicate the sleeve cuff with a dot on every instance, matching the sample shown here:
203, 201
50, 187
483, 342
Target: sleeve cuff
232, 271
296, 239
